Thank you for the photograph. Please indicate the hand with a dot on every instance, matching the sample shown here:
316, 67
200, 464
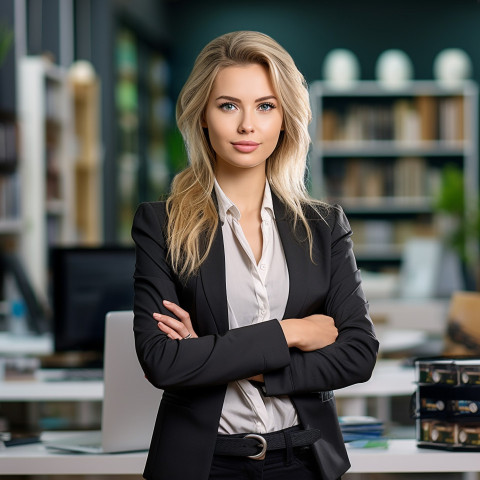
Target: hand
257, 378
175, 329
309, 333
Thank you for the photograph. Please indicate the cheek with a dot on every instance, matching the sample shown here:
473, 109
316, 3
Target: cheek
218, 131
215, 137
274, 126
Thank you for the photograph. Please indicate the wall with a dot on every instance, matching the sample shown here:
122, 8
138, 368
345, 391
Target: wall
308, 29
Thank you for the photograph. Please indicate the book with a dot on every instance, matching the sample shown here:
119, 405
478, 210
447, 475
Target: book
427, 111
356, 428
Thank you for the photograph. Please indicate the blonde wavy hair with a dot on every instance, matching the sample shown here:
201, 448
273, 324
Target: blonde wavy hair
192, 214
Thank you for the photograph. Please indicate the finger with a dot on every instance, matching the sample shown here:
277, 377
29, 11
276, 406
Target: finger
169, 331
180, 313
175, 325
172, 323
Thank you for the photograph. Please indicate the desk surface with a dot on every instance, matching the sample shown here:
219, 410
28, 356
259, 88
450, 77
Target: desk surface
405, 457
25, 344
400, 456
389, 379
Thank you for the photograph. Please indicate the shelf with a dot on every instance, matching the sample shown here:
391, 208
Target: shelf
88, 177
392, 148
374, 252
10, 226
375, 89
384, 205
55, 207
46, 165
381, 154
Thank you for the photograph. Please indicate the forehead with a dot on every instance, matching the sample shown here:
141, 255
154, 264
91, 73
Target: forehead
246, 80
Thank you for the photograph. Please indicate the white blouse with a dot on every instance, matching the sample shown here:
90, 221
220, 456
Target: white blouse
255, 293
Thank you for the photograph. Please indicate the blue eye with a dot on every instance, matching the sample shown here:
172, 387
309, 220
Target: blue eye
266, 107
227, 106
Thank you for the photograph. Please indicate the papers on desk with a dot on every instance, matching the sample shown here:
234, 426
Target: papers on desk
393, 340
362, 431
8, 439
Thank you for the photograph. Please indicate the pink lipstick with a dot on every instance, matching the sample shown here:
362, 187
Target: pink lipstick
245, 146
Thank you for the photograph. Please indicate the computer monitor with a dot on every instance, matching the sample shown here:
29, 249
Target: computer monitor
86, 284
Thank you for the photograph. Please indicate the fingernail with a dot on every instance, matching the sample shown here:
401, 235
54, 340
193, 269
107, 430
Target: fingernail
167, 302
157, 315
159, 324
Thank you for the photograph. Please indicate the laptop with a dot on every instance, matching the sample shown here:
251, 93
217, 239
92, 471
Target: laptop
130, 402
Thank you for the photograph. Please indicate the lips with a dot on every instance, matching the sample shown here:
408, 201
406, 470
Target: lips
245, 146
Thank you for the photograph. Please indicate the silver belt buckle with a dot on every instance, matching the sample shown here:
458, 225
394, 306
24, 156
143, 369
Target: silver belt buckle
263, 444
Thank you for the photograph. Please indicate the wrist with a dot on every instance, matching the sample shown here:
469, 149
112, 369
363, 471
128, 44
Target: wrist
290, 332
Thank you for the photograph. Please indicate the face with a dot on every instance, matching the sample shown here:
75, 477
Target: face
243, 116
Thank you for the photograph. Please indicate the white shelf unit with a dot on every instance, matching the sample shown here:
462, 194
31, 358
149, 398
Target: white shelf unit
370, 125
47, 152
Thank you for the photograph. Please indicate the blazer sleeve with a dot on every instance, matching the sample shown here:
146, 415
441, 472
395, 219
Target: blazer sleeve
207, 360
351, 358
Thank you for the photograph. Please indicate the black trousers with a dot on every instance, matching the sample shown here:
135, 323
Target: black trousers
300, 464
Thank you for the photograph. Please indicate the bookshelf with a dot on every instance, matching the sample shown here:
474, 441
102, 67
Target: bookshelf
88, 177
143, 111
10, 219
380, 152
47, 142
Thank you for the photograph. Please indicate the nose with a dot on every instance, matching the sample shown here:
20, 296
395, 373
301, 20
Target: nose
246, 123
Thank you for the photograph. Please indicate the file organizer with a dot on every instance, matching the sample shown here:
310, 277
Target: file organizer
447, 403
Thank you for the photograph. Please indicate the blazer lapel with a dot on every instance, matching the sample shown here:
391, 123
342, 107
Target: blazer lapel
212, 273
297, 258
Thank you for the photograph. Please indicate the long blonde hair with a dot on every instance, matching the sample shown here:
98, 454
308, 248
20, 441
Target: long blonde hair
192, 214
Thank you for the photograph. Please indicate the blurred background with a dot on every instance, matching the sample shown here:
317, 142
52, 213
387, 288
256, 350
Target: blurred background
87, 132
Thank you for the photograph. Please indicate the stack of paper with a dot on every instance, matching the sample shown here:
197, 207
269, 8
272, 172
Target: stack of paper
360, 428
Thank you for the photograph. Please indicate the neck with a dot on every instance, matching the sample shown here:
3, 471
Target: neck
244, 188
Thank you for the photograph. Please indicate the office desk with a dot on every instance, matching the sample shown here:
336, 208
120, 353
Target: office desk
389, 379
25, 344
40, 391
401, 456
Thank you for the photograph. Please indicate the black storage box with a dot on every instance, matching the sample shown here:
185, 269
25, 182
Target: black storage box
447, 403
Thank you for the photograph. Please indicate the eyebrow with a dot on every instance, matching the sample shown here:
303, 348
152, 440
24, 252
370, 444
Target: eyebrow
233, 99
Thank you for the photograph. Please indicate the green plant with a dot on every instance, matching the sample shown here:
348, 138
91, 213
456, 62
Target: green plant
6, 38
450, 201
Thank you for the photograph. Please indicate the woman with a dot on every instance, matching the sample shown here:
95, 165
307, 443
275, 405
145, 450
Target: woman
237, 247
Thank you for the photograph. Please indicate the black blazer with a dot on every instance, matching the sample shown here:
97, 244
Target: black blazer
194, 373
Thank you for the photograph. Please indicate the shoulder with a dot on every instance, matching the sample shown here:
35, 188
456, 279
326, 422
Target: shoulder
320, 216
329, 216
151, 216
158, 209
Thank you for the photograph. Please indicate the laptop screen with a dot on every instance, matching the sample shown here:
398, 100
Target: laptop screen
86, 284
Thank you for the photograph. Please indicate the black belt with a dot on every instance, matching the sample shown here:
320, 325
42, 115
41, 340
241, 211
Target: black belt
255, 446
